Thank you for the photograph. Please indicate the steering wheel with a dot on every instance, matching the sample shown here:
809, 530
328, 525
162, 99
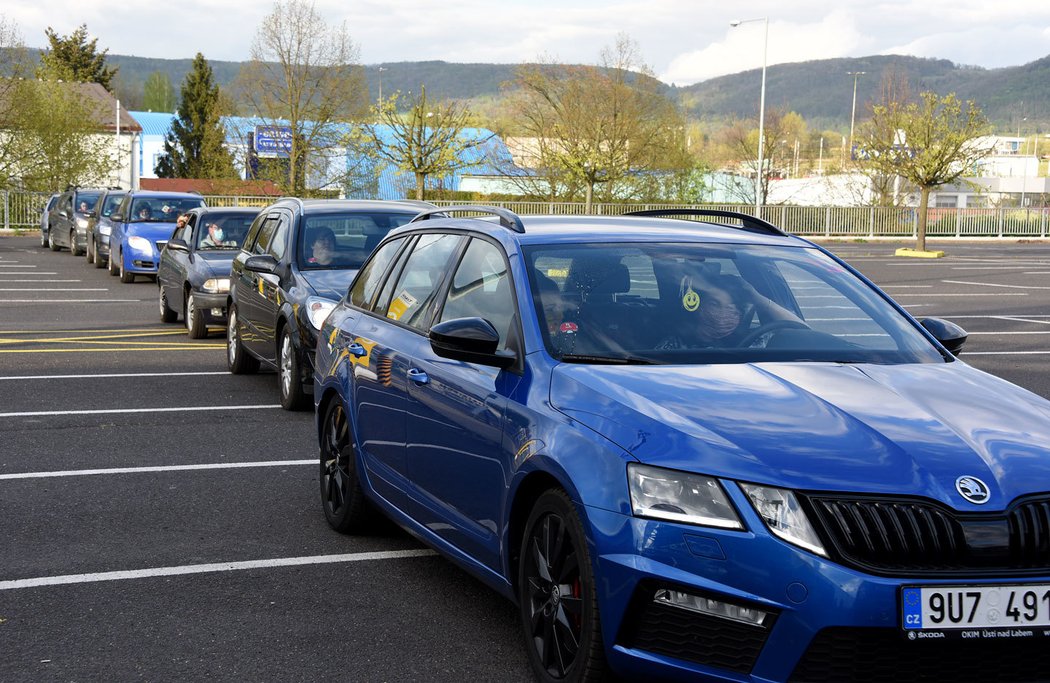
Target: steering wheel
761, 330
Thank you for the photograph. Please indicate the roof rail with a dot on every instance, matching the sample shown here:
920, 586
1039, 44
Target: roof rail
508, 219
750, 223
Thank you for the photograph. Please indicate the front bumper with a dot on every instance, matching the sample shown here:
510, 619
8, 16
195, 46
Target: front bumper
212, 306
817, 610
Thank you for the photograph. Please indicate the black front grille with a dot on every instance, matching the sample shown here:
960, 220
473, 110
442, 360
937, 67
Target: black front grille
870, 655
691, 636
895, 535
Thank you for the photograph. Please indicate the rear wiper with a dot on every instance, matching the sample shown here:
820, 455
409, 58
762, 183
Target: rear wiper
607, 360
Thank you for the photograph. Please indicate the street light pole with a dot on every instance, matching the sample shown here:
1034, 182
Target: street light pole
853, 112
761, 110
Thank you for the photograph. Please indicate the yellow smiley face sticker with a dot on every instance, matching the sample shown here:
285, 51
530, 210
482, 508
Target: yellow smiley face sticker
690, 300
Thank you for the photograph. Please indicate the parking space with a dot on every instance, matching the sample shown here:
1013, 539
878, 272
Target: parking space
159, 517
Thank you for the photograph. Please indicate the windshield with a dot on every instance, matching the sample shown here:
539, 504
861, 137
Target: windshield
710, 303
222, 230
111, 202
86, 201
161, 209
344, 240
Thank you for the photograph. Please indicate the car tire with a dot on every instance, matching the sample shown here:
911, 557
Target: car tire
114, 269
43, 239
99, 261
73, 249
167, 315
51, 241
289, 374
126, 276
345, 507
195, 326
237, 358
558, 598
89, 250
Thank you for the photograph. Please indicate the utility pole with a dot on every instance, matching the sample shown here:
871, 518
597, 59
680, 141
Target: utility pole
853, 112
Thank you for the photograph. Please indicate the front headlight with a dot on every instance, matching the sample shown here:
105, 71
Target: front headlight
680, 497
318, 309
104, 229
140, 243
216, 285
82, 223
780, 510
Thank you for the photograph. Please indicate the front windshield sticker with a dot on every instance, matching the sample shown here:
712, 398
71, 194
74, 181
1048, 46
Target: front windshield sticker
402, 303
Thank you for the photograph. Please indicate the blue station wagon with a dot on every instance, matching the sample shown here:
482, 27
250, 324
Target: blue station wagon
690, 447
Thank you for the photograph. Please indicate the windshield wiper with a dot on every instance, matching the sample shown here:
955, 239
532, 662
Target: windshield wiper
606, 360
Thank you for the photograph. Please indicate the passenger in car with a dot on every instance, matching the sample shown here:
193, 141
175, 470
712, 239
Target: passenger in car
145, 213
216, 238
322, 246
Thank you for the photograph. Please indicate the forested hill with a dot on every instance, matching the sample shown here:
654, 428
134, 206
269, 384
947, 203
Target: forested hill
821, 91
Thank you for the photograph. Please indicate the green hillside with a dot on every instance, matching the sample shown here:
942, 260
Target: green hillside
821, 91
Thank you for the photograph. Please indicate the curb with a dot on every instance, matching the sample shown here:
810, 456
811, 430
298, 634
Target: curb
917, 253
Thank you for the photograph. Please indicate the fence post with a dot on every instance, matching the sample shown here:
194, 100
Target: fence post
958, 221
827, 221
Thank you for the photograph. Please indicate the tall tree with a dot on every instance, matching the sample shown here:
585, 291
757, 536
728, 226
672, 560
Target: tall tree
304, 76
427, 140
158, 92
75, 58
594, 125
780, 130
928, 143
13, 60
194, 146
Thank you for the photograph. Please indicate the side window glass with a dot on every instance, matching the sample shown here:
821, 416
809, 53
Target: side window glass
418, 283
279, 242
265, 235
372, 274
253, 233
481, 288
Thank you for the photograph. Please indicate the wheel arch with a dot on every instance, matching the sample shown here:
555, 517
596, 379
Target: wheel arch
534, 485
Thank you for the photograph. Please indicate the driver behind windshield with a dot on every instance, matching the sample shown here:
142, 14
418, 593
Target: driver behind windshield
719, 310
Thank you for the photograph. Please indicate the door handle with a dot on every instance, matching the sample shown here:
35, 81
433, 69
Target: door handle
357, 350
418, 376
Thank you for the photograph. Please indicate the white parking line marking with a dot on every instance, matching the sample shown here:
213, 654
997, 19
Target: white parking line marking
48, 280
112, 375
1006, 353
211, 568
939, 294
54, 289
1020, 332
123, 411
70, 301
990, 284
907, 286
158, 468
23, 266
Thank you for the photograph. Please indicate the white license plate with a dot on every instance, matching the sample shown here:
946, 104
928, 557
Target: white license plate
951, 608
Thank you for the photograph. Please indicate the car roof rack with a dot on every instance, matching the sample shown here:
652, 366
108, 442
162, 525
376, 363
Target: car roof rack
508, 219
750, 223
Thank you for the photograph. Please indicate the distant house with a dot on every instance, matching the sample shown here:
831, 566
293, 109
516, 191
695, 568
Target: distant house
117, 128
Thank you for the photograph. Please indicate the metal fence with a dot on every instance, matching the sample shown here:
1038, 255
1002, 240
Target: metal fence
21, 210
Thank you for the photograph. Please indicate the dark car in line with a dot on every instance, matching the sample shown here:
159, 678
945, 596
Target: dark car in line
193, 278
142, 224
100, 226
69, 217
295, 264
45, 218
691, 448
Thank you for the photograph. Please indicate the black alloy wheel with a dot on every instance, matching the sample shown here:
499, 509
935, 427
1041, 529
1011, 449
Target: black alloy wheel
345, 506
558, 601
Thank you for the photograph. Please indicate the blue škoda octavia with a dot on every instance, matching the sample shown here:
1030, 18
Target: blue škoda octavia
690, 450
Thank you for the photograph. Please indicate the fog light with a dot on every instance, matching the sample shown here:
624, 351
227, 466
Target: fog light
715, 608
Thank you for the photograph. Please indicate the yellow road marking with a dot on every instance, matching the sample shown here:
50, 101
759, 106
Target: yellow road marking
57, 340
159, 330
184, 347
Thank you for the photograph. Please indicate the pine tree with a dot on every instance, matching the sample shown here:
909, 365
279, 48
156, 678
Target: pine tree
194, 146
74, 58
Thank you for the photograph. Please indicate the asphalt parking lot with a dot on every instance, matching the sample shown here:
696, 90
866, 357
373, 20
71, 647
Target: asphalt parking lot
159, 518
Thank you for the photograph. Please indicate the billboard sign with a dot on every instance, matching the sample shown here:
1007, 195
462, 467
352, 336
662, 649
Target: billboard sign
273, 141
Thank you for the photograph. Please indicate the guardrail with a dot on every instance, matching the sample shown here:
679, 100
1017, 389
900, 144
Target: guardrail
21, 210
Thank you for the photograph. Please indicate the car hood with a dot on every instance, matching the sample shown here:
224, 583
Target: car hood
331, 284
900, 429
216, 263
151, 231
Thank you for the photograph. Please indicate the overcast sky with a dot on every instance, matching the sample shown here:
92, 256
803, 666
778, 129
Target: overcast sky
684, 41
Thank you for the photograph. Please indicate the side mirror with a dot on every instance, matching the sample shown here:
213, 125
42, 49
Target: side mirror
116, 217
178, 245
262, 263
472, 340
950, 335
